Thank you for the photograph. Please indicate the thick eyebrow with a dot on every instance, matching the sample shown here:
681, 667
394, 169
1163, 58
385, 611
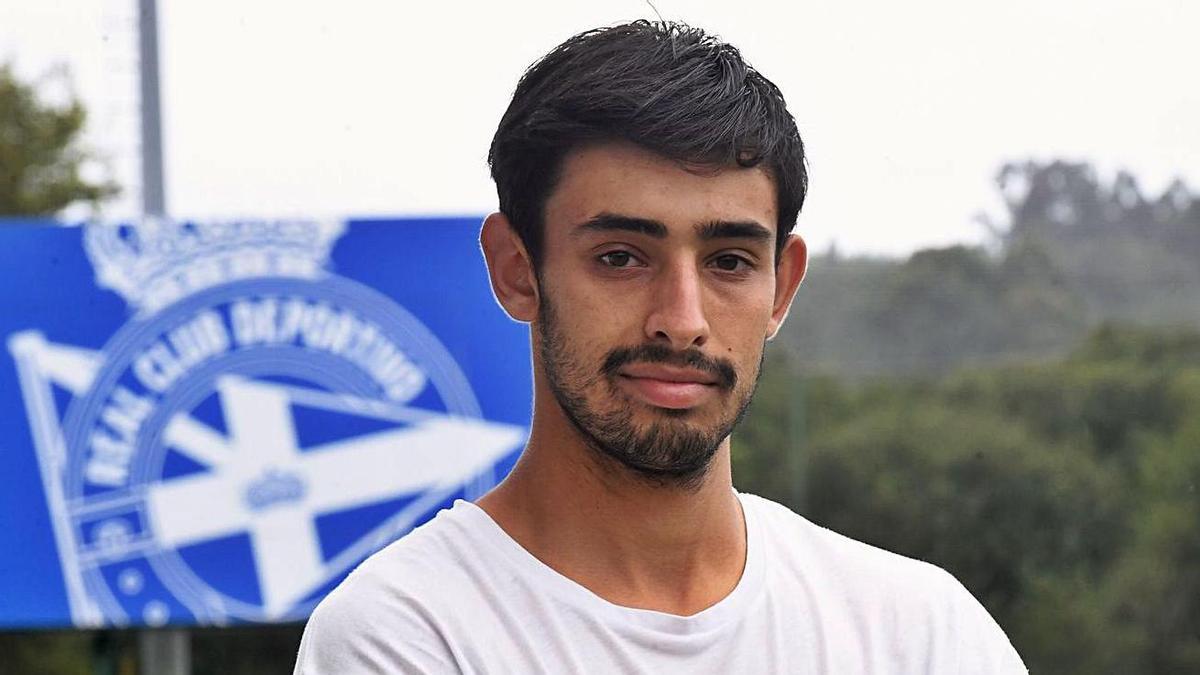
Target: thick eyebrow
717, 229
723, 229
608, 222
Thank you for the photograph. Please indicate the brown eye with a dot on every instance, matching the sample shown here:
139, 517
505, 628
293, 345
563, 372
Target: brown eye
617, 258
729, 263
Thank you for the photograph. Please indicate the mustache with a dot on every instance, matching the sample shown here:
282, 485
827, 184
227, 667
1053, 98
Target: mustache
721, 369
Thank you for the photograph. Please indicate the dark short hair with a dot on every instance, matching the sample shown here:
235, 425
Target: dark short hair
666, 87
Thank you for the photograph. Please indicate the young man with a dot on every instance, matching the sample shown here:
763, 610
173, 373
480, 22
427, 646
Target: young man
649, 181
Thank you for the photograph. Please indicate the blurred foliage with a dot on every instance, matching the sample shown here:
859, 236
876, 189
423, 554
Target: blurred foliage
41, 160
240, 650
1026, 415
1071, 254
1062, 493
246, 650
46, 653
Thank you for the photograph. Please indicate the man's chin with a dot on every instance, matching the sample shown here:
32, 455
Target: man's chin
683, 473
666, 453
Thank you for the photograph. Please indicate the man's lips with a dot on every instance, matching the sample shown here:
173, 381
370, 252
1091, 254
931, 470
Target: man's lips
667, 386
666, 373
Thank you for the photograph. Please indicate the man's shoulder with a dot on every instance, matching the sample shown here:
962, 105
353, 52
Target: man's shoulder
390, 593
885, 593
859, 578
794, 538
430, 563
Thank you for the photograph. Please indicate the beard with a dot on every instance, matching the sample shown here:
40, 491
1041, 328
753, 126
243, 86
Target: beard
669, 451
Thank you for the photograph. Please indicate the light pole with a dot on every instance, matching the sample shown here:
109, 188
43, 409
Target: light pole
164, 651
154, 201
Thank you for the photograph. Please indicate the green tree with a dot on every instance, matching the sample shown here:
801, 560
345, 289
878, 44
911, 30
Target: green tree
1065, 494
41, 158
1072, 252
1128, 256
936, 311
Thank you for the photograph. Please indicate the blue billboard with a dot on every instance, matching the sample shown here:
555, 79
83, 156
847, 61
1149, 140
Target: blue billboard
214, 422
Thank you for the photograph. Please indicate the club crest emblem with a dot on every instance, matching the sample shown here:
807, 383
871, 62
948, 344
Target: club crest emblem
257, 412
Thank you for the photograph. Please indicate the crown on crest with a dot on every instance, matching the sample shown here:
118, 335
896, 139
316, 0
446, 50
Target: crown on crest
272, 488
154, 262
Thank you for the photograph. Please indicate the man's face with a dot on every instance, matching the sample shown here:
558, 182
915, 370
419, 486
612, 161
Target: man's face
657, 292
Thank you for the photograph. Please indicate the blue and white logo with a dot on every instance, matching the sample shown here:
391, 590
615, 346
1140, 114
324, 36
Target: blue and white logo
256, 429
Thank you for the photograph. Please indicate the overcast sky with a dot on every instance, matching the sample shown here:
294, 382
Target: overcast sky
387, 108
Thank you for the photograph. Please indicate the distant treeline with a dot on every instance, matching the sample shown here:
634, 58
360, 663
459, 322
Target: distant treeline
1073, 253
1065, 494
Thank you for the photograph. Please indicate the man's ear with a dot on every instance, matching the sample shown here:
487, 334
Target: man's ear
793, 262
511, 270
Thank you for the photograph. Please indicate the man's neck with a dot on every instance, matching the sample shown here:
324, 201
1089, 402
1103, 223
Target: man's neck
631, 542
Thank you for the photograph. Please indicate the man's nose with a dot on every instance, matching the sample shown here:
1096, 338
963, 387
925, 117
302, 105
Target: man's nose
677, 315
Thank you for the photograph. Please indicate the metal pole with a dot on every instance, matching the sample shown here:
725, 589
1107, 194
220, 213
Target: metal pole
166, 651
154, 201
798, 433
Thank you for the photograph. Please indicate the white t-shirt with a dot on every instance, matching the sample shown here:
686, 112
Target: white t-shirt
458, 595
